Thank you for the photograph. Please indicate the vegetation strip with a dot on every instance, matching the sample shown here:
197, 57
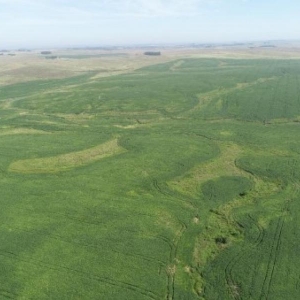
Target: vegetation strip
67, 161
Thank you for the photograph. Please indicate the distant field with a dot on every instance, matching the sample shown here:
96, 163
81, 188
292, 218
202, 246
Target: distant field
32, 66
85, 56
174, 180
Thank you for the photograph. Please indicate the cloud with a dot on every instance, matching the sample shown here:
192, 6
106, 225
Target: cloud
111, 8
47, 12
154, 8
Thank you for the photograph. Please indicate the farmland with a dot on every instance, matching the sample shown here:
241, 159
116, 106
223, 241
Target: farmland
177, 179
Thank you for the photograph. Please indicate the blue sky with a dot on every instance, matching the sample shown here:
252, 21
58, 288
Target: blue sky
54, 23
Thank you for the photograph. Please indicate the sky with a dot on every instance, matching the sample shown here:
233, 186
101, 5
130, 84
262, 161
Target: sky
81, 23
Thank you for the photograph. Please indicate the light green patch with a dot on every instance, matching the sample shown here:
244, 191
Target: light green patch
226, 133
219, 104
67, 161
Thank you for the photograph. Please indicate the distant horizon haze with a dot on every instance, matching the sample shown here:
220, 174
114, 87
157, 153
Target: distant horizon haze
161, 46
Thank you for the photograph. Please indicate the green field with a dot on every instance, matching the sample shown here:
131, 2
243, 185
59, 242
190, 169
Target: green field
178, 181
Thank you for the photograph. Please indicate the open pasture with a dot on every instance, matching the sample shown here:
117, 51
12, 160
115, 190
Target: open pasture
178, 180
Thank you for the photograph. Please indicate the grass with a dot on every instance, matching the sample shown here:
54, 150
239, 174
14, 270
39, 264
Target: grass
179, 180
223, 165
67, 161
10, 131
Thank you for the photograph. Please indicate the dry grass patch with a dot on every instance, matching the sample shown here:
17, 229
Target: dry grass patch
67, 161
221, 166
166, 220
127, 126
14, 131
76, 118
33, 66
176, 65
205, 98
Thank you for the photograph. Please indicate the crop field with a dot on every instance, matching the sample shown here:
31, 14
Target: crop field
178, 180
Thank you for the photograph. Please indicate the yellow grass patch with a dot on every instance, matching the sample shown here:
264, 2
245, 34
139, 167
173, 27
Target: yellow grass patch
171, 270
195, 220
21, 131
220, 166
176, 65
67, 161
226, 133
77, 118
127, 126
166, 220
205, 98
